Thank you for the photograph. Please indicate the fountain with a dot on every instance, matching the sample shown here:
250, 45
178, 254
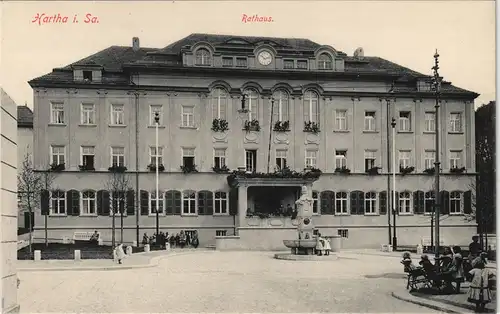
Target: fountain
303, 247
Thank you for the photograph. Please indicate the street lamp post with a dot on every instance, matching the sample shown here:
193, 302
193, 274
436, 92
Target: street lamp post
437, 90
157, 166
270, 135
394, 236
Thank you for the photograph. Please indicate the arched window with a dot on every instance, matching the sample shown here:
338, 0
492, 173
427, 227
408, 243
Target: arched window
221, 203
405, 202
203, 57
58, 203
189, 203
325, 62
280, 106
341, 202
252, 99
219, 104
89, 204
370, 203
152, 203
456, 202
429, 201
311, 107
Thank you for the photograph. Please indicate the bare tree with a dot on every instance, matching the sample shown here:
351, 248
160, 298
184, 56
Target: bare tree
118, 184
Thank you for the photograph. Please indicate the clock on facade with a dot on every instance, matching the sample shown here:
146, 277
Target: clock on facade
265, 58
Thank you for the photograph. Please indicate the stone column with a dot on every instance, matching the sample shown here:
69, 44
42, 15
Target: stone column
242, 204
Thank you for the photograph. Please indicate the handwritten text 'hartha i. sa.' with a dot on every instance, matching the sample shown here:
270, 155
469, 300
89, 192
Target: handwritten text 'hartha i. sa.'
44, 18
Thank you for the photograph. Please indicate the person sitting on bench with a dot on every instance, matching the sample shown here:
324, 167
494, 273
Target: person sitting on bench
94, 239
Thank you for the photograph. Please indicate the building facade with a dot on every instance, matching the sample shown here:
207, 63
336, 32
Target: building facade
24, 150
259, 105
8, 171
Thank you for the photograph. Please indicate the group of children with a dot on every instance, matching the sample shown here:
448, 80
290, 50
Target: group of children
181, 239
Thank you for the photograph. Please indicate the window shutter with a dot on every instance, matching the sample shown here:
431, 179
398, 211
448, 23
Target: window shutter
144, 203
99, 202
445, 202
397, 203
361, 203
333, 203
130, 203
209, 203
202, 202
326, 203
468, 202
177, 202
169, 203
45, 202
69, 203
383, 203
75, 203
233, 202
418, 202
354, 203
105, 203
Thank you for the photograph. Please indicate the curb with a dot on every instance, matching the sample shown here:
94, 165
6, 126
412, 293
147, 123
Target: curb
438, 306
154, 262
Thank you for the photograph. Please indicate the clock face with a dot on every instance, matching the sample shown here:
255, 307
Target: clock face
265, 58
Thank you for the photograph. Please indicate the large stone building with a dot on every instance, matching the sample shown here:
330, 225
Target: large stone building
254, 104
8, 173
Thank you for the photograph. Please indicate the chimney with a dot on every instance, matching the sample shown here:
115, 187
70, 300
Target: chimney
135, 44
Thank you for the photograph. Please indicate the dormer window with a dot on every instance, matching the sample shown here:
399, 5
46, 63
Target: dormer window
203, 57
325, 62
87, 76
241, 62
302, 64
227, 62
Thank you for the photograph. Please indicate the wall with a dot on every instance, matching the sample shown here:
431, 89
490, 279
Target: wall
8, 175
24, 147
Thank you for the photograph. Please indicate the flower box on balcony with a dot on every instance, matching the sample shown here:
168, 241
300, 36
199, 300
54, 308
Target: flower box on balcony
373, 171
188, 169
86, 168
406, 170
430, 171
152, 167
252, 125
311, 127
343, 170
220, 125
118, 169
223, 169
457, 170
57, 167
282, 126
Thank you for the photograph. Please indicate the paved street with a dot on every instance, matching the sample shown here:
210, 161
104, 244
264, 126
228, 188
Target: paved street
223, 282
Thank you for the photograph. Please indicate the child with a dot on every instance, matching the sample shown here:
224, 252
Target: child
120, 253
479, 291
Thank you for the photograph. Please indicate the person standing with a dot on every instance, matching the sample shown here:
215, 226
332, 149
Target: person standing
195, 241
120, 253
479, 291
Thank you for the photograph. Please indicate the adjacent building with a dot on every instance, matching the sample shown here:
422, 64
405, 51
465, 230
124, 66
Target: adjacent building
277, 109
24, 150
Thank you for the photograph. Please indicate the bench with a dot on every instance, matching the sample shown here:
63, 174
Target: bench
85, 236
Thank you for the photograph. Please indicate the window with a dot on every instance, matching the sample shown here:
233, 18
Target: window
340, 159
455, 159
58, 203
325, 62
87, 76
56, 113
88, 203
288, 64
430, 122
404, 121
341, 120
429, 159
370, 203
189, 203
241, 62
188, 157
405, 202
153, 200
219, 104
341, 203
281, 158
219, 157
280, 106
315, 197
311, 107
153, 154
227, 62
251, 160
220, 233
88, 156
455, 202
370, 121
220, 203
404, 158
429, 201
344, 233
117, 203
302, 64
369, 159
88, 114
117, 115
311, 158
57, 153
187, 116
455, 122
203, 57
153, 109
253, 104
117, 156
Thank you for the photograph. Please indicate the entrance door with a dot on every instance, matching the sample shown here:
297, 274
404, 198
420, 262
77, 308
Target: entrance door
27, 220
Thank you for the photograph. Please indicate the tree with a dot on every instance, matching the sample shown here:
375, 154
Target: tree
118, 185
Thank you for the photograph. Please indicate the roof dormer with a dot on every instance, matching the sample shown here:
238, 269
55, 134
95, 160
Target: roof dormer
87, 72
327, 59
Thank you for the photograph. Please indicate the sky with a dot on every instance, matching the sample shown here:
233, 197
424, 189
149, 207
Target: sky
404, 32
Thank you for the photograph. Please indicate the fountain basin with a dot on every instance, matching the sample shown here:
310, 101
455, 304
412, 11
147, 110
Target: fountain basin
293, 244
